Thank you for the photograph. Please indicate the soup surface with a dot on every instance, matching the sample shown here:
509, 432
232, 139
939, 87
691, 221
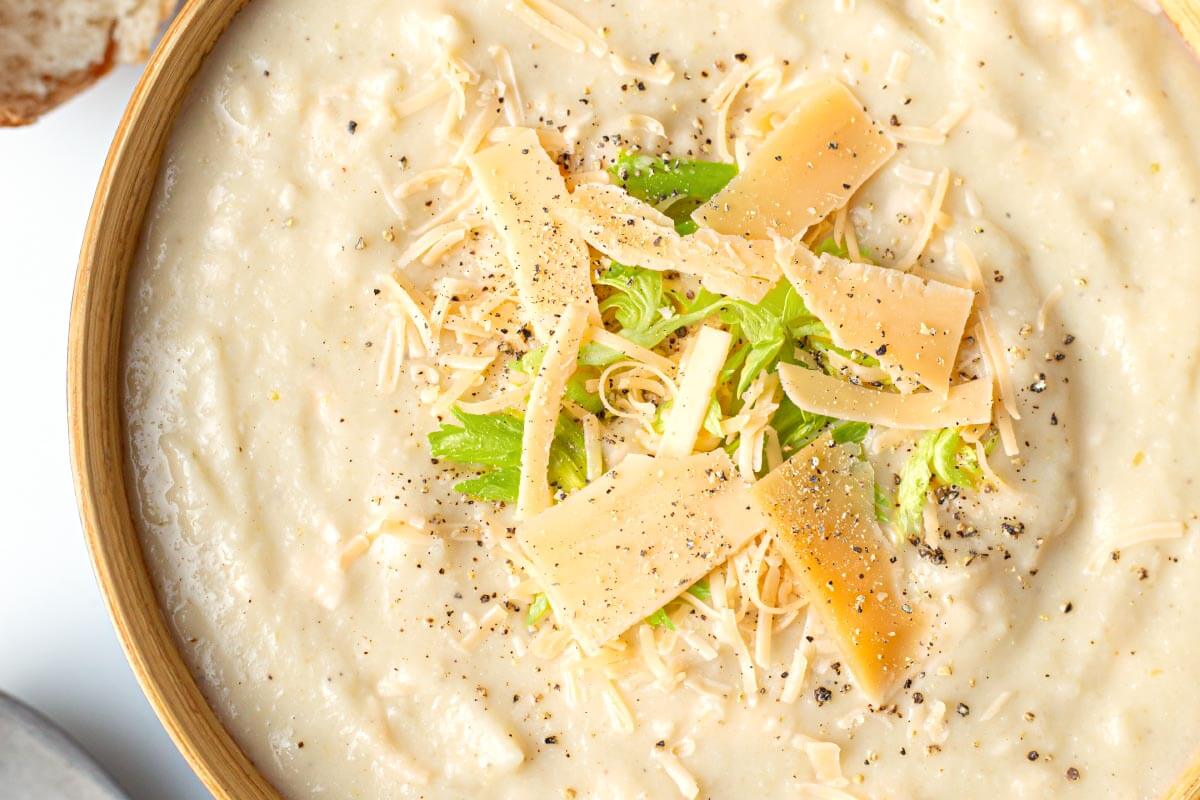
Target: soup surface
360, 624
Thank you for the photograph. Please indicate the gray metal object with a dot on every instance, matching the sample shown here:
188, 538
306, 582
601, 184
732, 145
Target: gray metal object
38, 761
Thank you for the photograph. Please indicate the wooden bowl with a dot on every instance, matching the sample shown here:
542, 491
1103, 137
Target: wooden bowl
94, 406
1186, 16
97, 424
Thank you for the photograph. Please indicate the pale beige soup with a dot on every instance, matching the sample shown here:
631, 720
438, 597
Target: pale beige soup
261, 442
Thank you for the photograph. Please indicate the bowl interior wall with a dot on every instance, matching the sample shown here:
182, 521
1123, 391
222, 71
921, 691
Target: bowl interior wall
95, 410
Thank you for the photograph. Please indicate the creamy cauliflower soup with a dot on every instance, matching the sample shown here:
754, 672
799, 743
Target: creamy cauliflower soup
780, 398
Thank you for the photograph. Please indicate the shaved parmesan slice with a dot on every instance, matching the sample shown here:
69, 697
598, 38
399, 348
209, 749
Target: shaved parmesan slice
551, 268
817, 393
807, 167
821, 510
623, 546
913, 326
698, 374
632, 232
545, 400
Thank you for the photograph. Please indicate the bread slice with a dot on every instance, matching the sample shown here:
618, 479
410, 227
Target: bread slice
52, 49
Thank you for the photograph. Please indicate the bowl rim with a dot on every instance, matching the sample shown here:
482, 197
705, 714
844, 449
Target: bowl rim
96, 425
96, 429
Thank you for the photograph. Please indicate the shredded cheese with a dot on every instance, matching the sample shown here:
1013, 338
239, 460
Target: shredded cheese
955, 114
394, 341
398, 287
1048, 307
553, 142
514, 103
1129, 537
675, 770
794, 681
721, 101
477, 131
1008, 435
994, 707
545, 400
423, 98
544, 27
731, 635
566, 30
618, 710
917, 134
603, 336
642, 122
464, 381
494, 616
898, 66
928, 218
434, 240
921, 177
423, 180
993, 348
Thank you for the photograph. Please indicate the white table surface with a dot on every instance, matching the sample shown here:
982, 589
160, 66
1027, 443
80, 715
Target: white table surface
58, 650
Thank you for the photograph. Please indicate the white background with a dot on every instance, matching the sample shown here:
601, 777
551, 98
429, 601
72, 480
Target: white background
58, 650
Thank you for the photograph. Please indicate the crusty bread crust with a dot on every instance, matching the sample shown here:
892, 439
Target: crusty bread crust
16, 110
125, 44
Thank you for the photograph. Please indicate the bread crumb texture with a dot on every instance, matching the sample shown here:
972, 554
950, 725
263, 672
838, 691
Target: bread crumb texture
51, 51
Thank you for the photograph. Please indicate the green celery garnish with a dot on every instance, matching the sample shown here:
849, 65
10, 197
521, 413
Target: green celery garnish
712, 418
638, 299
655, 180
488, 440
660, 619
846, 432
762, 336
941, 454
499, 485
828, 245
955, 463
493, 442
822, 344
639, 302
883, 505
915, 478
538, 610
796, 427
764, 330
